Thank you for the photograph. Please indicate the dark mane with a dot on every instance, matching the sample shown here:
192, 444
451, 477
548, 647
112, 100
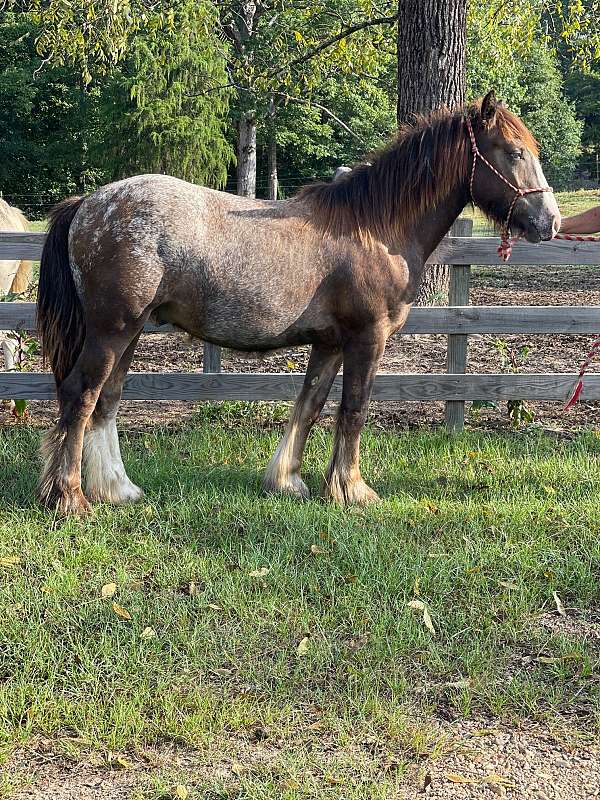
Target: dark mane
426, 160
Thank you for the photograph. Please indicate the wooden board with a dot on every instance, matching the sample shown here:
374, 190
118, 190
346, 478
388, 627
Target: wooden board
483, 250
265, 386
453, 250
442, 319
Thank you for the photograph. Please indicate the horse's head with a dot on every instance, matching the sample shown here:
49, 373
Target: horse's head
506, 179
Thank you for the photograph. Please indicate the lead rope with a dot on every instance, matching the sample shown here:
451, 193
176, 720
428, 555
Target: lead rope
506, 244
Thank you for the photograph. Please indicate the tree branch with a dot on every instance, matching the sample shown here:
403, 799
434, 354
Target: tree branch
329, 42
312, 53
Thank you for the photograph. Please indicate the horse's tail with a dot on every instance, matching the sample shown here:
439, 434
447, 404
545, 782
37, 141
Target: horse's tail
59, 313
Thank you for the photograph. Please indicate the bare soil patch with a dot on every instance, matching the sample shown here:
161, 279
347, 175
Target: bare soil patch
468, 759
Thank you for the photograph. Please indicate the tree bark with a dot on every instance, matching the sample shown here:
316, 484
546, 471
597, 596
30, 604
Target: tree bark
246, 166
431, 75
272, 180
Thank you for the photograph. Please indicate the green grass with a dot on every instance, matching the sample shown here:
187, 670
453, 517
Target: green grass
481, 528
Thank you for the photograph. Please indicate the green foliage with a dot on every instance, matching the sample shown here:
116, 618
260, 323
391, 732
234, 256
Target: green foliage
312, 144
47, 122
531, 84
584, 90
550, 116
157, 116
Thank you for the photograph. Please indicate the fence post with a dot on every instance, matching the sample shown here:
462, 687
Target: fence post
211, 361
458, 295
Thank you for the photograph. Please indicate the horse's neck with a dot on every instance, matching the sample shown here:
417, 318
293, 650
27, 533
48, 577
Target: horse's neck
436, 222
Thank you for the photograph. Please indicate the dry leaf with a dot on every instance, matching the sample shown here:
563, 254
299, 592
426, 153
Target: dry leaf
315, 549
419, 605
238, 769
120, 611
192, 589
302, 648
215, 607
508, 584
456, 778
108, 590
559, 606
259, 573
427, 621
180, 792
417, 587
498, 780
148, 633
9, 561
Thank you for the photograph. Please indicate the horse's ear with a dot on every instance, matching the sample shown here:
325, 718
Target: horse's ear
489, 106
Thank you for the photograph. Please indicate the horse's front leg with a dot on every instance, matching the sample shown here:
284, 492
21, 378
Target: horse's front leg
283, 473
344, 483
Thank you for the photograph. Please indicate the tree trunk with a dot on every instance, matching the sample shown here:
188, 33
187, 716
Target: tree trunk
431, 74
273, 182
246, 166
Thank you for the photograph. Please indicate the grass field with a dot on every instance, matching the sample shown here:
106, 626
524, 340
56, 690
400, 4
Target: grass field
232, 610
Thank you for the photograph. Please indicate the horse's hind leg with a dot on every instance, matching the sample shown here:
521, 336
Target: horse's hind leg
344, 483
60, 484
283, 473
104, 475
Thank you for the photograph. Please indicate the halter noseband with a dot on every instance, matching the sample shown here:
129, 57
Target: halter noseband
506, 243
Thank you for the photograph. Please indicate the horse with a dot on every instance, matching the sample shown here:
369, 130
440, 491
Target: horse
336, 267
15, 276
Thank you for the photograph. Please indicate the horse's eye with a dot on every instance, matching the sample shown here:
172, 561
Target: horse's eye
516, 154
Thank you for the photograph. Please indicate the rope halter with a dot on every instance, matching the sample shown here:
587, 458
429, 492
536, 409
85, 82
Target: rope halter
506, 242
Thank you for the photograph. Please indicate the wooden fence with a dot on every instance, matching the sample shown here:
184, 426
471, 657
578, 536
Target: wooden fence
457, 321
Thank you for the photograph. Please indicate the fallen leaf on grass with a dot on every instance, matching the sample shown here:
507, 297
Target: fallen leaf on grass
559, 606
454, 777
315, 549
238, 769
419, 605
215, 607
180, 792
302, 648
120, 611
508, 584
259, 573
108, 590
148, 633
333, 780
9, 561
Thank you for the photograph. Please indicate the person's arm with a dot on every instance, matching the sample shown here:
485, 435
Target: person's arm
586, 222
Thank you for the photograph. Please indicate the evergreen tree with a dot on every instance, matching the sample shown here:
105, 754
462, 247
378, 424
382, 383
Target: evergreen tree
157, 117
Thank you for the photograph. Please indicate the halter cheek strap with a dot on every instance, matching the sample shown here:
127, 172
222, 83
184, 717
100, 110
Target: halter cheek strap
506, 243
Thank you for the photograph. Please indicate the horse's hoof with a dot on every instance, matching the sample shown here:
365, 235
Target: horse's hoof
291, 486
356, 493
69, 503
117, 493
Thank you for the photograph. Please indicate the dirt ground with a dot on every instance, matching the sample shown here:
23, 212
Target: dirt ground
477, 759
502, 285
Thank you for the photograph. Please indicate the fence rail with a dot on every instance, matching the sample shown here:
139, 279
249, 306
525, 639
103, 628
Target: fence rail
457, 321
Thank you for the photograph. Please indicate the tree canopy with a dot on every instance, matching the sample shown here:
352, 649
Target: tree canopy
94, 91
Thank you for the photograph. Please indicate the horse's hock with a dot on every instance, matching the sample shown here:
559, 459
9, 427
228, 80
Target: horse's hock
457, 321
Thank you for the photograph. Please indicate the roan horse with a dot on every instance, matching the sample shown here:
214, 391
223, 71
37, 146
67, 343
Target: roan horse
15, 276
336, 267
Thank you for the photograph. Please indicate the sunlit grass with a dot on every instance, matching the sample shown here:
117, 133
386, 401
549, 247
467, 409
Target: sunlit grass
481, 528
